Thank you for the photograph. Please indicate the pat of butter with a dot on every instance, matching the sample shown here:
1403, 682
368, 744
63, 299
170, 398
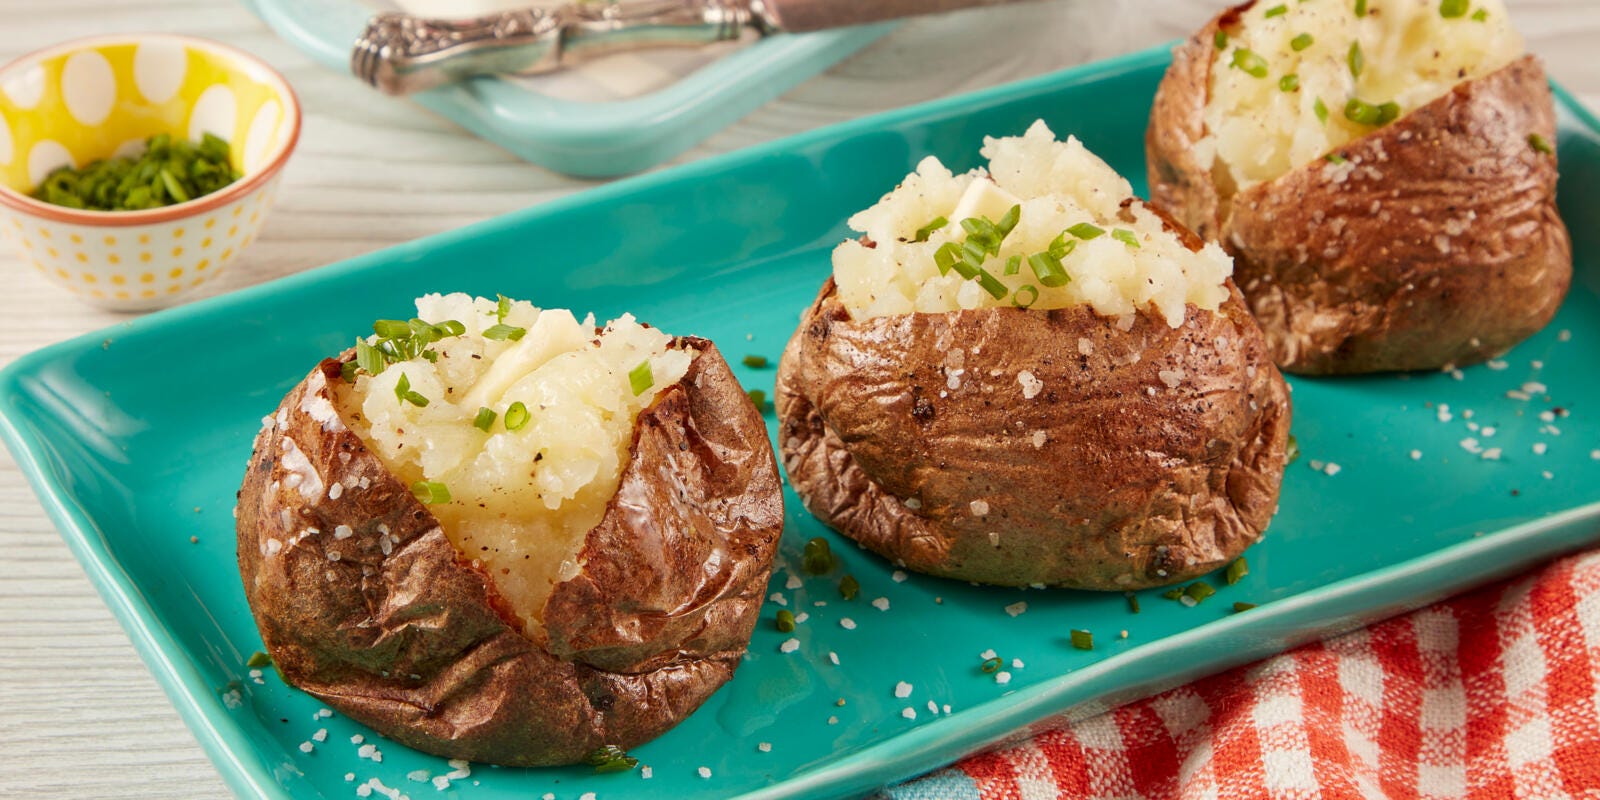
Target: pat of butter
984, 198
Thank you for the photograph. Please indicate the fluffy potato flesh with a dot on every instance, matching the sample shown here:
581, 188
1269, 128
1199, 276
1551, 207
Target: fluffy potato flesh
528, 478
1119, 258
1286, 72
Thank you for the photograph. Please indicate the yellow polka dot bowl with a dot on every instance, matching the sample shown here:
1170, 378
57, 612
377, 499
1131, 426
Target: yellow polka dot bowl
90, 99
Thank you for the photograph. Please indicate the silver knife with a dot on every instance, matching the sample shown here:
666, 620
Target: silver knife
401, 53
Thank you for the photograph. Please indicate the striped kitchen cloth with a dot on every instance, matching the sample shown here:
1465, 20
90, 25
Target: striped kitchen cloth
1492, 694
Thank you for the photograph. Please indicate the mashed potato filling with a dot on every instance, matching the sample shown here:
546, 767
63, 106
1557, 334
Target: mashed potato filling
1069, 243
1286, 73
527, 424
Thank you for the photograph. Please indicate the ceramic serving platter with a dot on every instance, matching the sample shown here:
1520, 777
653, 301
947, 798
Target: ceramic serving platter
136, 438
618, 116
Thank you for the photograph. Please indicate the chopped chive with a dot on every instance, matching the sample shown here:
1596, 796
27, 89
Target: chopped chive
1289, 83
403, 393
167, 172
484, 420
1221, 39
1047, 268
1321, 111
1085, 231
991, 665
946, 257
517, 416
1125, 236
1060, 246
391, 328
991, 284
452, 327
1014, 264
755, 362
980, 227
502, 307
973, 254
1356, 60
1026, 296
927, 230
1292, 449
1361, 112
817, 558
1083, 640
258, 660
785, 621
1236, 571
1361, 8
501, 332
1199, 590
1008, 222
1239, 607
369, 358
1252, 64
1335, 158
611, 758
640, 378
1539, 144
1450, 9
1173, 593
348, 370
431, 492
849, 587
759, 398
1301, 42
1133, 603
1480, 15
1388, 112
1277, 11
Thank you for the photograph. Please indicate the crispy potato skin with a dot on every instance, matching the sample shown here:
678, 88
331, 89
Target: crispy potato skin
1127, 488
410, 638
1438, 243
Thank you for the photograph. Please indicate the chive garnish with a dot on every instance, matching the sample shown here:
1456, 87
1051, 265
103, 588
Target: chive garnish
1289, 83
1236, 571
502, 332
1480, 15
451, 327
1334, 158
1361, 112
641, 378
484, 420
947, 256
1388, 112
1321, 110
759, 398
1292, 449
1133, 602
502, 307
517, 416
611, 758
403, 393
1450, 9
391, 328
927, 230
1301, 42
1539, 144
817, 558
849, 587
369, 358
1085, 231
1199, 590
1008, 222
1239, 607
430, 492
1220, 40
991, 665
1278, 11
1047, 268
167, 172
1252, 64
1026, 296
991, 284
1356, 60
1083, 640
1173, 593
258, 660
1361, 8
348, 370
1013, 265
1125, 236
785, 621
755, 362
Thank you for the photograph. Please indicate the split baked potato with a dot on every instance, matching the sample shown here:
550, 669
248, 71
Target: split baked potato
507, 536
1382, 171
1027, 377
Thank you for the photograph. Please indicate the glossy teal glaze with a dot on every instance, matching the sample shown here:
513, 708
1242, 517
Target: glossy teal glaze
136, 437
589, 140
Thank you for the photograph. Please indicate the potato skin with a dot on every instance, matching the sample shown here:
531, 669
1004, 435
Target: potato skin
409, 637
1127, 489
1438, 243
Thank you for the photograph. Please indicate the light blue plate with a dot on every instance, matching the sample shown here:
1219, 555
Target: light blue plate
136, 438
591, 140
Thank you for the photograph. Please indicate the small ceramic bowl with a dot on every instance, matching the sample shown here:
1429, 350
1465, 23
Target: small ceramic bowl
91, 99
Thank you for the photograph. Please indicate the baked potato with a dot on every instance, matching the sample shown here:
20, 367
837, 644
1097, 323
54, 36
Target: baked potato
510, 537
1027, 377
1383, 173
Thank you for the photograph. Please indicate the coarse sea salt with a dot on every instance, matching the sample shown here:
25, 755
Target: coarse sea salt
1016, 608
881, 603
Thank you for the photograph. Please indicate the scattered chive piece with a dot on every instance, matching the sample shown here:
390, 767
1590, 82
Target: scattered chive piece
348, 370
1236, 571
1539, 144
517, 416
1356, 60
785, 621
1388, 112
391, 328
991, 284
1199, 590
759, 398
1252, 64
502, 307
1085, 231
501, 332
1322, 111
947, 256
1361, 8
431, 492
1221, 39
258, 660
1083, 640
1238, 607
992, 665
1335, 158
1125, 236
166, 173
1292, 449
1362, 112
403, 393
1289, 83
484, 420
451, 327
755, 362
1014, 263
1301, 42
1450, 9
1133, 602
1047, 268
1032, 295
1480, 15
611, 758
817, 558
1009, 221
640, 378
369, 358
1173, 593
1280, 10
927, 230
849, 587
1060, 246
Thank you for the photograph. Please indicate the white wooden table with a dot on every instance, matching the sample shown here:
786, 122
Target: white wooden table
79, 714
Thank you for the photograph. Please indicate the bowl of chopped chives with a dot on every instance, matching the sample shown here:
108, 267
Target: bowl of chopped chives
133, 168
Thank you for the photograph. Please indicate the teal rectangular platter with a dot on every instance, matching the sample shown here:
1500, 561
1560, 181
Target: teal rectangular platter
135, 439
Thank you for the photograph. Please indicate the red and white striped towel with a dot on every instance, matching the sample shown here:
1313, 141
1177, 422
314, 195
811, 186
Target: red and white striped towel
1493, 694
